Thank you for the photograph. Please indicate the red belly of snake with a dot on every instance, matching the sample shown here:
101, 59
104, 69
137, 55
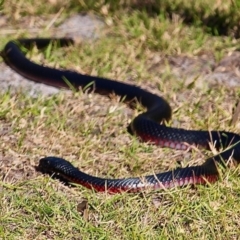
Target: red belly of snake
146, 126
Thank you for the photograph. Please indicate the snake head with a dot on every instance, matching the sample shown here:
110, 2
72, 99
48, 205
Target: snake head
56, 167
53, 164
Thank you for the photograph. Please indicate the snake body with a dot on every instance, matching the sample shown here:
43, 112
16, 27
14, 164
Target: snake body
146, 126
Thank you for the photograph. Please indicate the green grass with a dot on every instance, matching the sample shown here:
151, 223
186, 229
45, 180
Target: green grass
90, 130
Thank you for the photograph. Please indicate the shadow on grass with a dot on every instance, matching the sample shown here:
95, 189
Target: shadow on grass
219, 18
215, 21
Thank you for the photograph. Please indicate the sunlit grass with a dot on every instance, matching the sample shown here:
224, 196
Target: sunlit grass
90, 130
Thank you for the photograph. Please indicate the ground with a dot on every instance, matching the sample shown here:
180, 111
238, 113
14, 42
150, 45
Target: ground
185, 52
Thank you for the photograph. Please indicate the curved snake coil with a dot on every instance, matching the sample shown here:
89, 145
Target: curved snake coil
146, 126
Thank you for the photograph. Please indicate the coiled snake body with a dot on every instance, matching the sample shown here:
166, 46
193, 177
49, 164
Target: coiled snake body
146, 126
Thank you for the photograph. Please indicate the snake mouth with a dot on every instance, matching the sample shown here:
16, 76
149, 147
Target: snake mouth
43, 166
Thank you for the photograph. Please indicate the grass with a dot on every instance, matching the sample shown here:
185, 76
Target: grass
90, 130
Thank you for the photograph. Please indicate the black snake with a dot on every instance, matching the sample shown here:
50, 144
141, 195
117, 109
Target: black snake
146, 126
